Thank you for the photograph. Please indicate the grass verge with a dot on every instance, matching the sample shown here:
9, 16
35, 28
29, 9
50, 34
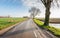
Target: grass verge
53, 30
7, 22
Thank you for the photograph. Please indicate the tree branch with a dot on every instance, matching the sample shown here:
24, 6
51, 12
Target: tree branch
44, 2
57, 3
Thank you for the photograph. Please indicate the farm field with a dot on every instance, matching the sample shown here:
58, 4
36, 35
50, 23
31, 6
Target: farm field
52, 20
7, 22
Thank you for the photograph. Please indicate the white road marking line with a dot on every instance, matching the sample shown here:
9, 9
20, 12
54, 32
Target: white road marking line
40, 35
35, 34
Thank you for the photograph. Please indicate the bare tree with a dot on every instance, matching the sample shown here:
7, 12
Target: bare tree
47, 4
34, 11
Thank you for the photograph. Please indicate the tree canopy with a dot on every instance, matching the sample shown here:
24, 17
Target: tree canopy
34, 11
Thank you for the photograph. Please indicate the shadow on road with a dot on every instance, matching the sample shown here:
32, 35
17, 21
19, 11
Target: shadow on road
19, 32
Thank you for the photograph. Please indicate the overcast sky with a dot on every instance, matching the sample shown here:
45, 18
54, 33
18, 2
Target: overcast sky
19, 8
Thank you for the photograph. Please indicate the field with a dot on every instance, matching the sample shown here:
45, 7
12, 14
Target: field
52, 20
53, 30
55, 20
7, 22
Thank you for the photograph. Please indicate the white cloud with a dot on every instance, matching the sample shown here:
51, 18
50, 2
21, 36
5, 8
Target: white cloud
34, 3
31, 3
55, 12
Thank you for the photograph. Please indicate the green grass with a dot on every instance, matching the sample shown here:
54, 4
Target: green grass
39, 22
7, 22
55, 31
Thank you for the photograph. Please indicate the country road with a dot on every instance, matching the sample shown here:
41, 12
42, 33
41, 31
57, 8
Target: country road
27, 29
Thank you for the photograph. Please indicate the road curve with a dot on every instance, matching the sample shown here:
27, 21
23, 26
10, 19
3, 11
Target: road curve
27, 29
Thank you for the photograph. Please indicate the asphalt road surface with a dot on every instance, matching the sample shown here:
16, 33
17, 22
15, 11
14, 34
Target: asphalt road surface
27, 29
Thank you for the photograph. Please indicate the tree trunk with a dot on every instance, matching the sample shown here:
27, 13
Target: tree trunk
33, 16
47, 15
